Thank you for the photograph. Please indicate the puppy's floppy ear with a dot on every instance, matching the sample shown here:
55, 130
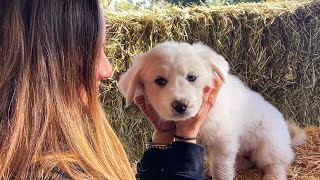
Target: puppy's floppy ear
217, 62
130, 84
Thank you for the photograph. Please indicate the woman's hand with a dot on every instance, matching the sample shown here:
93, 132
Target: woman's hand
164, 130
190, 127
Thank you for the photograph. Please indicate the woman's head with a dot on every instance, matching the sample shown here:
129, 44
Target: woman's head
51, 59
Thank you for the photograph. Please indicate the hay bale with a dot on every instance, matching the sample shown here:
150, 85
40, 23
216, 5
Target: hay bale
272, 47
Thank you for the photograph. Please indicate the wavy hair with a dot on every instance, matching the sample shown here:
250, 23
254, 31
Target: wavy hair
48, 55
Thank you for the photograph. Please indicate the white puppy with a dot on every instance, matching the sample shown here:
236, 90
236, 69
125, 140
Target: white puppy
242, 123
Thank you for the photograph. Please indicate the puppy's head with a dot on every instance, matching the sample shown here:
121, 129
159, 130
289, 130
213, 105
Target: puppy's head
172, 76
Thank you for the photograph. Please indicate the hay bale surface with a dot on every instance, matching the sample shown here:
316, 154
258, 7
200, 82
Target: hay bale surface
272, 47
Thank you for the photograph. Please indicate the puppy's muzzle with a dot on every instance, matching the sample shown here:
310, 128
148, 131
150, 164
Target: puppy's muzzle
180, 106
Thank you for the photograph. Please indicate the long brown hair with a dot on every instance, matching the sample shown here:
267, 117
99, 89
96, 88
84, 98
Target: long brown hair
48, 56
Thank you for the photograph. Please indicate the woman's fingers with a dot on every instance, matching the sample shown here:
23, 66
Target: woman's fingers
164, 130
206, 93
152, 116
140, 101
208, 99
217, 84
214, 92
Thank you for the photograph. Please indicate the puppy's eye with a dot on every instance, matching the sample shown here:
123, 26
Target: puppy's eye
191, 78
161, 81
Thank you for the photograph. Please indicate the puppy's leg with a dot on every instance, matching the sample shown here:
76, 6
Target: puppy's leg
221, 161
222, 167
275, 172
274, 159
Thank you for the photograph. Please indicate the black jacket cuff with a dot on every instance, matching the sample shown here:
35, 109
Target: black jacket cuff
185, 160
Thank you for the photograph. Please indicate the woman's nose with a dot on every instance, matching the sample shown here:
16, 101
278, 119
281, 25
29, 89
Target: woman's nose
105, 68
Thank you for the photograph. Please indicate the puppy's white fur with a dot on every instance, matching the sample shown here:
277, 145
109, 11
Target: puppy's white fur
242, 123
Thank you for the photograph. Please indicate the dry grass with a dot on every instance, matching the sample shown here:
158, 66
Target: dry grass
306, 165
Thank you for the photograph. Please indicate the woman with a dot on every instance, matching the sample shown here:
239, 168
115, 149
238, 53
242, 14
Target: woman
51, 123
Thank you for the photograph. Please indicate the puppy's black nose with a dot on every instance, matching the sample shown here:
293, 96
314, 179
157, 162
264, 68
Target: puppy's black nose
180, 106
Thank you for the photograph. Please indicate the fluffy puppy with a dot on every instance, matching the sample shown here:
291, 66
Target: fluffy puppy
242, 123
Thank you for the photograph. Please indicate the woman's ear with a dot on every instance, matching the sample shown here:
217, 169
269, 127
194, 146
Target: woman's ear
130, 84
217, 62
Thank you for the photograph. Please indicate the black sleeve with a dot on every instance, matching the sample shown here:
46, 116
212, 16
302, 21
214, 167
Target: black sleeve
183, 161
